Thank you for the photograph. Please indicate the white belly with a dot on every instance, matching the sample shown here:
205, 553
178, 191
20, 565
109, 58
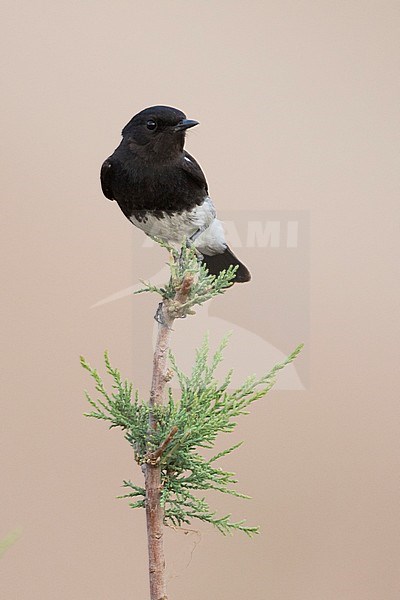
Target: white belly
174, 229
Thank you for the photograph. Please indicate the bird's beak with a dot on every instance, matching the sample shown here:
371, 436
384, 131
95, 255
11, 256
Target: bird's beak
185, 124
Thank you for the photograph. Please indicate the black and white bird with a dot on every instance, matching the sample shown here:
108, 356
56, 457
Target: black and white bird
162, 190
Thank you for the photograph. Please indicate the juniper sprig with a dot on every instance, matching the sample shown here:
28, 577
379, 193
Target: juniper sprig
170, 435
205, 409
184, 263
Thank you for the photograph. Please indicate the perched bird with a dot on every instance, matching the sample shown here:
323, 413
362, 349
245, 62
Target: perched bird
162, 190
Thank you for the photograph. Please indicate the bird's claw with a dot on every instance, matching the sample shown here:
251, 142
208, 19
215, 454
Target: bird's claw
159, 316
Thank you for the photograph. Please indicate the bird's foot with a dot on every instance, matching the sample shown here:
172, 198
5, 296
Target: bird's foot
159, 316
196, 234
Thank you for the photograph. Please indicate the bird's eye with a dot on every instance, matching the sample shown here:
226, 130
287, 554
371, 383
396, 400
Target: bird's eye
151, 124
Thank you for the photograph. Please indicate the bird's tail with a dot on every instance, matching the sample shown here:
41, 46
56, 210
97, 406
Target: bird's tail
218, 262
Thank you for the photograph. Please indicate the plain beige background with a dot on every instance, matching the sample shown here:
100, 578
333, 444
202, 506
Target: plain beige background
298, 104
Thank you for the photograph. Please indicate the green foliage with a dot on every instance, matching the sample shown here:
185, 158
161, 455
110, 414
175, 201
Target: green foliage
8, 541
205, 409
187, 425
205, 286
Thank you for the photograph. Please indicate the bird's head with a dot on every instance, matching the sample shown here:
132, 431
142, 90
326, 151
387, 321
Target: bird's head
157, 130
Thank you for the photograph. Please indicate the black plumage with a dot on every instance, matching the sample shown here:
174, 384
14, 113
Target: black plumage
161, 188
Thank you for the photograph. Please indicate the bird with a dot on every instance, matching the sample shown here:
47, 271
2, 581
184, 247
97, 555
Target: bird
162, 189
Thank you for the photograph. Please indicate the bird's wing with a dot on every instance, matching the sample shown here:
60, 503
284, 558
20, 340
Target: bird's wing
106, 178
193, 170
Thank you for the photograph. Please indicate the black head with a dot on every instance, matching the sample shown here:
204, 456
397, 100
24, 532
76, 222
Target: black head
159, 129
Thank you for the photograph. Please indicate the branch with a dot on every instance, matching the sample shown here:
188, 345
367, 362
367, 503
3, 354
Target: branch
206, 408
153, 457
166, 314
